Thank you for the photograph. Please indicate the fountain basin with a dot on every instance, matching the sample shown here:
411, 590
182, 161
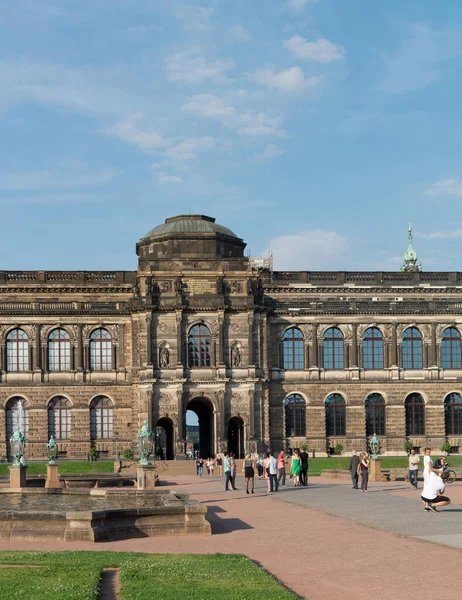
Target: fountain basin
99, 515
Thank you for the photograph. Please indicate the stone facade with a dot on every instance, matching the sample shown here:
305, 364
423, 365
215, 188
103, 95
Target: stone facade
193, 276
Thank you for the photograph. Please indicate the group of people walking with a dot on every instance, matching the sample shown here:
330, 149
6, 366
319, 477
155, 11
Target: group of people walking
359, 465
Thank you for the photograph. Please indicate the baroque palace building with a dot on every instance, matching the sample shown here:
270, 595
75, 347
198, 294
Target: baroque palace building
265, 359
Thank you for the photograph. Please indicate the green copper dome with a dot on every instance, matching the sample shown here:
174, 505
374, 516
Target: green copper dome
189, 224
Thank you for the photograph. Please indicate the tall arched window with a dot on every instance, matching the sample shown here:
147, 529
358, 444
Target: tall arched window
59, 350
451, 355
293, 349
101, 418
295, 410
453, 414
412, 349
17, 351
12, 417
199, 340
375, 415
373, 349
333, 349
335, 415
100, 350
415, 415
59, 418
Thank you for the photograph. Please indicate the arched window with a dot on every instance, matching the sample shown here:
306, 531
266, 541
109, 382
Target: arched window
373, 349
100, 350
101, 418
335, 415
415, 415
199, 346
17, 351
59, 350
12, 418
375, 415
293, 349
295, 415
333, 349
412, 349
451, 355
453, 414
59, 418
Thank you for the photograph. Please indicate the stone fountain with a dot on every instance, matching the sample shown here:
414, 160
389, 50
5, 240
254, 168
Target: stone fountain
97, 514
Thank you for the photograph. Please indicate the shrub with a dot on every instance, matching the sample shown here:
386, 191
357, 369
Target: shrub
127, 453
408, 446
338, 449
446, 447
304, 447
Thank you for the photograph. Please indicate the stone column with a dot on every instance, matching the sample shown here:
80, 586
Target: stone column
314, 345
266, 417
250, 338
393, 352
78, 349
121, 353
354, 345
86, 355
44, 361
221, 339
179, 344
433, 362
149, 339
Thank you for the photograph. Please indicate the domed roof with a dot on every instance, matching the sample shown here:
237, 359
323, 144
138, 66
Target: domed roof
189, 224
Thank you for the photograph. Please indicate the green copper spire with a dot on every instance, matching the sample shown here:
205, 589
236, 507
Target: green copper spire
410, 257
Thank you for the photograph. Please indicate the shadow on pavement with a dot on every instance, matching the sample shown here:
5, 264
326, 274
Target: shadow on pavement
221, 526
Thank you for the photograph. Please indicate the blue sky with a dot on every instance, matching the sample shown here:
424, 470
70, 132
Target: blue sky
321, 127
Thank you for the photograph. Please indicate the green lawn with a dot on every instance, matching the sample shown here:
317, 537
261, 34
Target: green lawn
98, 466
76, 575
316, 465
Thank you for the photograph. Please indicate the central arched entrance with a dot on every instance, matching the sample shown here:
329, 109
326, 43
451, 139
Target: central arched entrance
164, 439
236, 442
204, 411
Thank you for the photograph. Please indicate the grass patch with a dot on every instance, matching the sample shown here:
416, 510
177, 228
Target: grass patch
78, 468
316, 465
75, 576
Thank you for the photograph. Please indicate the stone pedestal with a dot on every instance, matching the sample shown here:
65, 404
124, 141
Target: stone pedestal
146, 477
117, 466
52, 477
375, 473
17, 476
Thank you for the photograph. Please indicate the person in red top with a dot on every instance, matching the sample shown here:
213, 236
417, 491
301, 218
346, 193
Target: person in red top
281, 468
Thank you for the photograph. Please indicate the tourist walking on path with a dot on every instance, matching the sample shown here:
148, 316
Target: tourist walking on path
273, 474
433, 489
232, 461
249, 473
260, 467
428, 464
220, 465
304, 468
413, 472
364, 464
354, 464
227, 469
266, 470
211, 467
282, 468
197, 465
201, 466
296, 467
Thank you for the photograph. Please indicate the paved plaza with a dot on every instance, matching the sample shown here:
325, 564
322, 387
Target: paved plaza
323, 541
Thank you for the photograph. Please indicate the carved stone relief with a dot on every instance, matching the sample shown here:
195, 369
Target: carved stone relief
235, 327
163, 327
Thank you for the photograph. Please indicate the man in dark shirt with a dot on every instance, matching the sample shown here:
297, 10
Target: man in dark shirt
354, 462
304, 467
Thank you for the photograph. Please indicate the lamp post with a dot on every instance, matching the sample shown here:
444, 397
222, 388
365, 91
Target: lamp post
17, 445
52, 451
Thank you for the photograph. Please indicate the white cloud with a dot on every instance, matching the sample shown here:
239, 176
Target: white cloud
455, 234
67, 176
164, 178
309, 250
131, 130
298, 5
290, 80
271, 151
193, 68
445, 187
240, 33
244, 123
321, 51
195, 17
189, 148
